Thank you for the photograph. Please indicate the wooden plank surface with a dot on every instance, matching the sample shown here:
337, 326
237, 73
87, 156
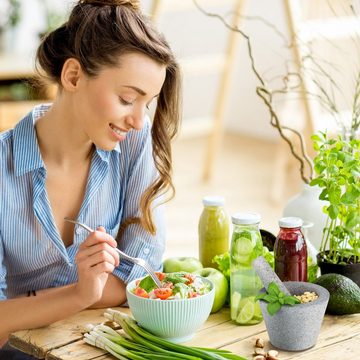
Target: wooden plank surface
39, 342
334, 330
339, 336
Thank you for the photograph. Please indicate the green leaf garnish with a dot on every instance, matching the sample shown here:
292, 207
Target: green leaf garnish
273, 307
273, 289
276, 298
147, 283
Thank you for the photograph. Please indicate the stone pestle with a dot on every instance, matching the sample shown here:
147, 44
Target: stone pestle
267, 274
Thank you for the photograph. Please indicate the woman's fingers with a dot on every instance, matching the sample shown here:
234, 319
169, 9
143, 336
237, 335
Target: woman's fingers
103, 267
101, 257
98, 241
98, 236
100, 247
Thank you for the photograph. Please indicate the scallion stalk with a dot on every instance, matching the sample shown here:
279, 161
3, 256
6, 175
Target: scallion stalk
136, 343
127, 322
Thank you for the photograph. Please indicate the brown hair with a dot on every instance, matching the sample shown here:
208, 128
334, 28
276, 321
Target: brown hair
96, 34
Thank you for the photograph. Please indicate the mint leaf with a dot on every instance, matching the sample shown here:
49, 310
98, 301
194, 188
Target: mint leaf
270, 298
260, 296
291, 300
273, 308
147, 283
273, 289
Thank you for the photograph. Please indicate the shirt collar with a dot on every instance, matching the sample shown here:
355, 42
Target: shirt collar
105, 155
27, 156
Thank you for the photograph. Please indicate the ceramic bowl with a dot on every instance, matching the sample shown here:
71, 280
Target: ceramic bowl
173, 320
296, 328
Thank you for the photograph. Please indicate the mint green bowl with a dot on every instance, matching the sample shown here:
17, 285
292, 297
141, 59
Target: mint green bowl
173, 320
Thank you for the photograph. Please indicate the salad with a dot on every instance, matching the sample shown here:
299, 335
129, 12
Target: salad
177, 285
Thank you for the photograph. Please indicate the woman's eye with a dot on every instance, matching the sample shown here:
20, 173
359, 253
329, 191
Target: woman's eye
126, 103
148, 104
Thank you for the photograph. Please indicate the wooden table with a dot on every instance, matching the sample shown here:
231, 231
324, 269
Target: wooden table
339, 338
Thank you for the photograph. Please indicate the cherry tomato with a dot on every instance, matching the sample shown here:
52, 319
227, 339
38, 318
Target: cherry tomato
162, 293
190, 278
141, 292
161, 276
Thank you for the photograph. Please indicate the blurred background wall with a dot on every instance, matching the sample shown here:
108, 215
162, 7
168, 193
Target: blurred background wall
190, 33
250, 165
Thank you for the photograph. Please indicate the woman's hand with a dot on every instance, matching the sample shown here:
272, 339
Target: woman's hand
95, 260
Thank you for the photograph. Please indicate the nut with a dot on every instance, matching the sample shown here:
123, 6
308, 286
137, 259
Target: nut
259, 351
271, 358
307, 296
273, 353
259, 357
259, 343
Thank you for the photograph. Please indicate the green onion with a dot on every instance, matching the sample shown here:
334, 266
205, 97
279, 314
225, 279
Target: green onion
136, 343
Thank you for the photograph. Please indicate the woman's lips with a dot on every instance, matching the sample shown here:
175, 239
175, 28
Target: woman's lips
118, 130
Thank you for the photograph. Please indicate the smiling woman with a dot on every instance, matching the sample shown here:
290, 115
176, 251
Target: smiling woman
92, 155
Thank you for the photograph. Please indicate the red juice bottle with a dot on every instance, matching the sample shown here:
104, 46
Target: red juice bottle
290, 251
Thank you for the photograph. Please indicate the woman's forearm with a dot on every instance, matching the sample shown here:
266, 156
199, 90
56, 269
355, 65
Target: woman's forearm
36, 311
114, 293
50, 305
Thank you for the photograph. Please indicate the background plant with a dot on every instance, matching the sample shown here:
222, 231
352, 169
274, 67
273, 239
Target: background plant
337, 166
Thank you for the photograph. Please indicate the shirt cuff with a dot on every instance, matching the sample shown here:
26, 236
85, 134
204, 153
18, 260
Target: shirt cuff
128, 271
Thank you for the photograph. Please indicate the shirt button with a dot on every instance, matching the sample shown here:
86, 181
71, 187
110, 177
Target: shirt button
146, 251
78, 231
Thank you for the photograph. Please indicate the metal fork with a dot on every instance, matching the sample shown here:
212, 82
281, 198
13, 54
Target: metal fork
137, 261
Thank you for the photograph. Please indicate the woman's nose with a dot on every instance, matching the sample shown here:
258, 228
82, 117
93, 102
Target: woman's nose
136, 119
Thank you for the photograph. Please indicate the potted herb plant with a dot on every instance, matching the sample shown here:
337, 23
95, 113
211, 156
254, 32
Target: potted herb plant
337, 168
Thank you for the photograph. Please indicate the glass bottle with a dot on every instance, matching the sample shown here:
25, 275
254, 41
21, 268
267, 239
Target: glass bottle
246, 245
290, 251
213, 230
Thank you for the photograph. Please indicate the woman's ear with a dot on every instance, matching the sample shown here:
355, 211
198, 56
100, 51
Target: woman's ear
70, 74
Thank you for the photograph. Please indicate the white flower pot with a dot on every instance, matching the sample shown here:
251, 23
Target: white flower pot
307, 206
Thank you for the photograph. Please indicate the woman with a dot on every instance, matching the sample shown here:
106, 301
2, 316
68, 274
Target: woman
94, 156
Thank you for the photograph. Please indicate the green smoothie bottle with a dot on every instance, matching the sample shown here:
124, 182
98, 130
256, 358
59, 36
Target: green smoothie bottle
246, 245
213, 230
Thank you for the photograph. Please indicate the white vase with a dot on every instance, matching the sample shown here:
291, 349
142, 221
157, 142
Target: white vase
307, 206
311, 249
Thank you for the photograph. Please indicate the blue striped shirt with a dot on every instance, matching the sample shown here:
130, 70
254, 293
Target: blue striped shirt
32, 254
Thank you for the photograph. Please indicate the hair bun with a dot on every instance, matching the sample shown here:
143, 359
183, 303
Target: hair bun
132, 4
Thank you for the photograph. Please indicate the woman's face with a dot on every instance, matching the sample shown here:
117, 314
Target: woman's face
115, 101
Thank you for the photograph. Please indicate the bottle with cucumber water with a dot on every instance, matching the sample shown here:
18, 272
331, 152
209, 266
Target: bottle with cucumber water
246, 245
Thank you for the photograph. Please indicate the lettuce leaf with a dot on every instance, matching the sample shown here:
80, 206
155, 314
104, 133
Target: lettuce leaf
223, 263
182, 289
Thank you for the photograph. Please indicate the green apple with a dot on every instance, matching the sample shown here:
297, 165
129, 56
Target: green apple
220, 283
188, 264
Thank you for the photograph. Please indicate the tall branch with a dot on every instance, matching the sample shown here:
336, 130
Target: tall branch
266, 95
